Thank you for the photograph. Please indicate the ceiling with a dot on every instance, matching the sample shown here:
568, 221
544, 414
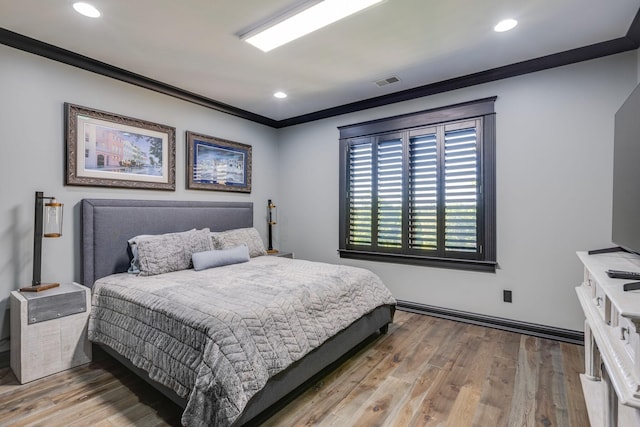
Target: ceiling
193, 45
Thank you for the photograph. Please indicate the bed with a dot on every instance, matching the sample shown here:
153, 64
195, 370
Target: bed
107, 226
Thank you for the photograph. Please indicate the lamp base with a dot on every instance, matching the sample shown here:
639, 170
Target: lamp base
272, 251
39, 288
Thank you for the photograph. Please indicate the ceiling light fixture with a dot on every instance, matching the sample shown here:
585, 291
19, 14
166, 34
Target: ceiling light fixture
280, 95
505, 25
313, 16
86, 9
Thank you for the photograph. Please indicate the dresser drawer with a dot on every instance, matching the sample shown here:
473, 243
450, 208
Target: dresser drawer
628, 335
601, 302
589, 283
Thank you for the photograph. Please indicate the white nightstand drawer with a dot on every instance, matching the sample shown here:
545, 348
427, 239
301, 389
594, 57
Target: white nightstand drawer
65, 300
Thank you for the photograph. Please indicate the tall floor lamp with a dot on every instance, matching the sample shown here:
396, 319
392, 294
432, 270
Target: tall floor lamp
47, 225
271, 221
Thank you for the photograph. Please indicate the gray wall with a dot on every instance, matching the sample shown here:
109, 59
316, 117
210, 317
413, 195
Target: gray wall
554, 177
33, 91
554, 181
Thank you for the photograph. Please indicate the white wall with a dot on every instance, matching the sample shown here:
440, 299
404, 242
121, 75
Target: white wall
554, 178
32, 93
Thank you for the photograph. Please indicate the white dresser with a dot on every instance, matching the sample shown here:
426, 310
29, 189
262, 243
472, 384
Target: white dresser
611, 382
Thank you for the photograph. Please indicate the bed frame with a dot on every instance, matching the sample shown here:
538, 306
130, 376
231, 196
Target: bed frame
107, 224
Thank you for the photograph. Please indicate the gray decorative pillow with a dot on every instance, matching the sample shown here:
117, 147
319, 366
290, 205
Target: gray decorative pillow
220, 257
172, 251
232, 238
134, 266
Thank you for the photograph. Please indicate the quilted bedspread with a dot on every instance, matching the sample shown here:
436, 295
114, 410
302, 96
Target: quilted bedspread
216, 336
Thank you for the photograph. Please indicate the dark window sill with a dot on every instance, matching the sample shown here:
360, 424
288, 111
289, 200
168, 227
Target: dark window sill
455, 264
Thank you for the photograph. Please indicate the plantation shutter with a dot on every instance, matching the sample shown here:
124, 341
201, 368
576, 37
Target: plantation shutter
389, 191
360, 193
461, 178
442, 194
423, 191
420, 188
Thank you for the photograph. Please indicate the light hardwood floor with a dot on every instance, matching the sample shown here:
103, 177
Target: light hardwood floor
424, 372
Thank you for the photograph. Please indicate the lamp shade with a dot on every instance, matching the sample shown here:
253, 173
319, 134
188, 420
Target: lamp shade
52, 226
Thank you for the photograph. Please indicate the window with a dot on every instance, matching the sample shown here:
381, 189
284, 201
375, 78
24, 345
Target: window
420, 188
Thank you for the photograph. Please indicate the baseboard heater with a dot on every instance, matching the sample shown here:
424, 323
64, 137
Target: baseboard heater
533, 329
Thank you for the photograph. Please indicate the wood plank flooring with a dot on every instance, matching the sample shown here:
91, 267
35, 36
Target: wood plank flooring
424, 372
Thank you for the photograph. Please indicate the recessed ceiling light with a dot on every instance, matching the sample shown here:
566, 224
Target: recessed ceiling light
315, 15
280, 95
505, 25
86, 9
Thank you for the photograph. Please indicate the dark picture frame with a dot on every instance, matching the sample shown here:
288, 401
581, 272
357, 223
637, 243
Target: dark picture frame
217, 164
109, 150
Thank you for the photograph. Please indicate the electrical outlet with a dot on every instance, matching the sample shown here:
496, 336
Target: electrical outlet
506, 296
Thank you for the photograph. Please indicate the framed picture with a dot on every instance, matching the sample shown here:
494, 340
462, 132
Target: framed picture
108, 150
217, 164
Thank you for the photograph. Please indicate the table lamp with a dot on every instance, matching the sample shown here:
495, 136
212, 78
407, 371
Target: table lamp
47, 223
271, 221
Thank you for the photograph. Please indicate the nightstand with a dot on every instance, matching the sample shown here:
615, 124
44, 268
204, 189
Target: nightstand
49, 331
283, 254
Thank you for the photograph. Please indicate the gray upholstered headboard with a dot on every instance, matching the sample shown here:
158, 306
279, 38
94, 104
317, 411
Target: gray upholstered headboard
107, 224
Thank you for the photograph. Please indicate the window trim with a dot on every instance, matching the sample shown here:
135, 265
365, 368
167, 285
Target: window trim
481, 108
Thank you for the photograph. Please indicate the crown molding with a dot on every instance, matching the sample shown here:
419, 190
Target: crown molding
68, 57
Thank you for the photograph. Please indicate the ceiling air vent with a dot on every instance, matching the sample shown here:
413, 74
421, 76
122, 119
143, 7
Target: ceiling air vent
387, 81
